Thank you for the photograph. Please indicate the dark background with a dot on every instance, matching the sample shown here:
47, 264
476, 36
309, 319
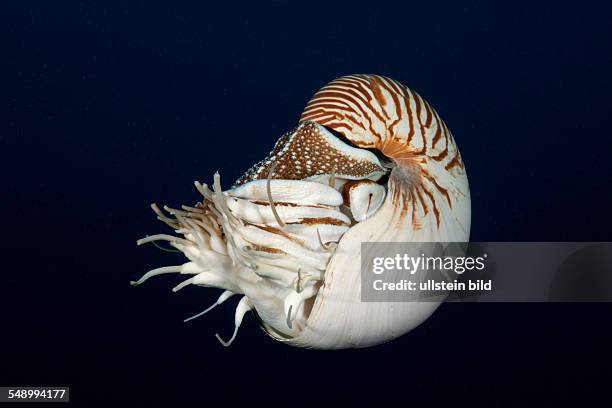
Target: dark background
109, 106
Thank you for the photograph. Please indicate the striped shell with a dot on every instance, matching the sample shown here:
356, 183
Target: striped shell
428, 200
376, 112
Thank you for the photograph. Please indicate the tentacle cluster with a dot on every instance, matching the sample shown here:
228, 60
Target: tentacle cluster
267, 239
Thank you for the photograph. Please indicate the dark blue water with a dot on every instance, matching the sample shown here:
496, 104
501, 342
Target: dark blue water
109, 106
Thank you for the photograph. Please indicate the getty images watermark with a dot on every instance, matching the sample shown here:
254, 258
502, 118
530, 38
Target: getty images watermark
486, 271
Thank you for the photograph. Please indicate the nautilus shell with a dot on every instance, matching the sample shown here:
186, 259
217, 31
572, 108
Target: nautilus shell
369, 161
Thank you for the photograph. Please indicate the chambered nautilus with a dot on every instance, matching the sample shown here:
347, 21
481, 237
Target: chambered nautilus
369, 161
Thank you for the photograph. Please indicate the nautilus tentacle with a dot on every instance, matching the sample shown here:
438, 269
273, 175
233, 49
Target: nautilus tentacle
370, 161
233, 243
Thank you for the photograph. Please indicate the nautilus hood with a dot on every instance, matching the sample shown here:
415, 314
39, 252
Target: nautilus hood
309, 151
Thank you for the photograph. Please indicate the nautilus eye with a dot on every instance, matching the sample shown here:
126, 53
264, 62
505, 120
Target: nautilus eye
369, 161
363, 197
